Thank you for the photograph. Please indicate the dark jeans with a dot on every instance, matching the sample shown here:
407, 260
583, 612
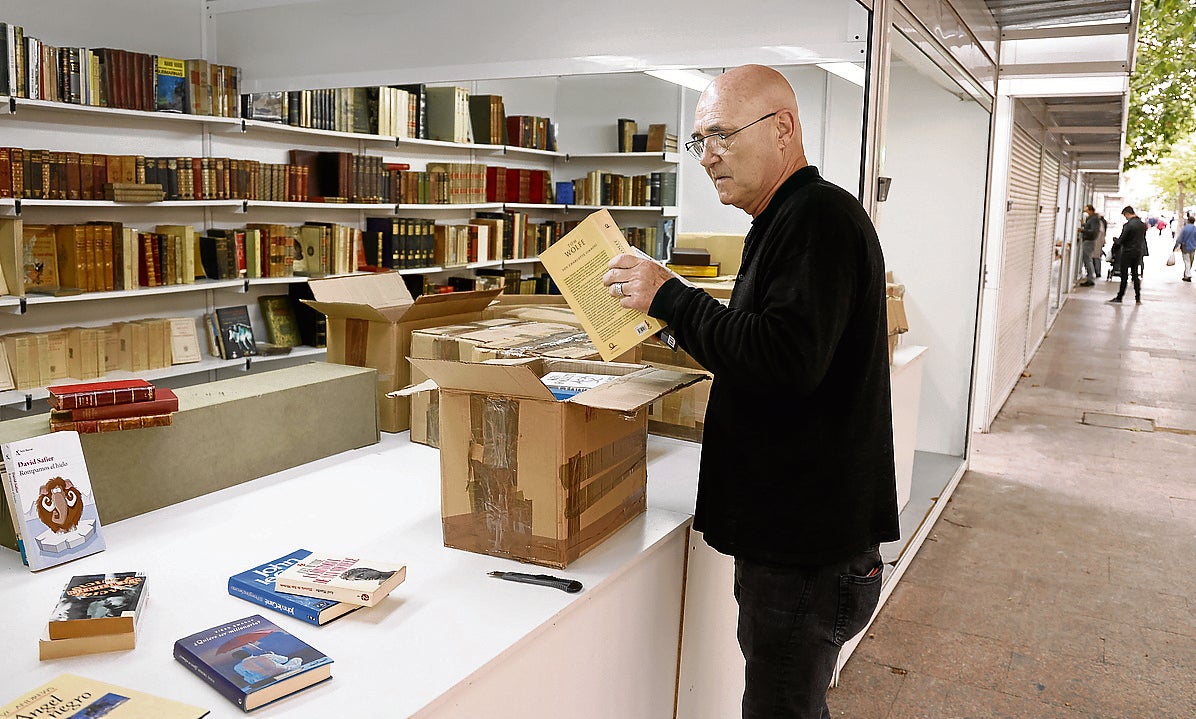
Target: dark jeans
792, 623
1129, 266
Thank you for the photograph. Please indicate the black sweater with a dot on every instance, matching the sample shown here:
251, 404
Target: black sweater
797, 455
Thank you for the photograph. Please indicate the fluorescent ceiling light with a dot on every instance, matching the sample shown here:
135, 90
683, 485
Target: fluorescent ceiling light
849, 71
693, 79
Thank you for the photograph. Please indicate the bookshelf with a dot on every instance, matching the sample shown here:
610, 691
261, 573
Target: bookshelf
64, 127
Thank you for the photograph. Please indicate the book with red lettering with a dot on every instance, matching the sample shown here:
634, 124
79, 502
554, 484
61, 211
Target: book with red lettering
165, 401
342, 579
100, 394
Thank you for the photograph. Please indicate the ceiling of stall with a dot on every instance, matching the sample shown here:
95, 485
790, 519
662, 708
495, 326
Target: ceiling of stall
1045, 13
1090, 124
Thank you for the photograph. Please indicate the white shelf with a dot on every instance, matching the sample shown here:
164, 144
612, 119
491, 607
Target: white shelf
461, 206
11, 206
15, 105
672, 158
247, 205
532, 206
512, 150
241, 284
207, 364
264, 126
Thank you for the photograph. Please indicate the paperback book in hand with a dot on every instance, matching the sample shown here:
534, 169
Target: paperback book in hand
252, 661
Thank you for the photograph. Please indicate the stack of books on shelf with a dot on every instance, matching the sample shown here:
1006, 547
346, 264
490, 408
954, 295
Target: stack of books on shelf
656, 139
384, 110
40, 359
95, 613
692, 262
110, 406
108, 77
655, 189
133, 192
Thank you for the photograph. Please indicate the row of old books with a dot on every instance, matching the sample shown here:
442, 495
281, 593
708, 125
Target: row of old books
390, 111
656, 139
103, 256
111, 77
314, 249
40, 359
445, 113
308, 177
312, 176
656, 189
111, 406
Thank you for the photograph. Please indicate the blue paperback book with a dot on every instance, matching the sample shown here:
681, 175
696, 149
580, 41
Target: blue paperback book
257, 585
252, 661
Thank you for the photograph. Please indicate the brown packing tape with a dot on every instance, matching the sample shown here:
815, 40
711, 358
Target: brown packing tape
357, 334
589, 477
469, 532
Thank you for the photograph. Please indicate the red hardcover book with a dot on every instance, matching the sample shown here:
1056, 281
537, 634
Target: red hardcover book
165, 401
5, 172
115, 424
100, 394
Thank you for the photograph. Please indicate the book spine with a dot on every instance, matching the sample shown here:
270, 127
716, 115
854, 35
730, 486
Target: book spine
324, 591
188, 659
246, 591
102, 398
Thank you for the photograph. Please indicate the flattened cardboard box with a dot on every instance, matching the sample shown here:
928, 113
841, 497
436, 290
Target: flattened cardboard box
501, 337
529, 477
224, 433
370, 319
682, 414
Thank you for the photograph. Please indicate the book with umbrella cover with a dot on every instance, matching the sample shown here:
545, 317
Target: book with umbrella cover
252, 661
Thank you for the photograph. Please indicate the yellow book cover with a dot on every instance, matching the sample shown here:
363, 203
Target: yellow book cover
73, 695
577, 262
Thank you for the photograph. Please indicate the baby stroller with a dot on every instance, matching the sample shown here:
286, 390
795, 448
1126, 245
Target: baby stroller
1115, 264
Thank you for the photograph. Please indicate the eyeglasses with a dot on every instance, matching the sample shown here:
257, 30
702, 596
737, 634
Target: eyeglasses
697, 146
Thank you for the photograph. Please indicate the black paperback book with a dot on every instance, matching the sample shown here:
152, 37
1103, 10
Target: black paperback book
236, 332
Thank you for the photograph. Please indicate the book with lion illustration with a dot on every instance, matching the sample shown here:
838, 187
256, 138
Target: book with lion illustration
50, 499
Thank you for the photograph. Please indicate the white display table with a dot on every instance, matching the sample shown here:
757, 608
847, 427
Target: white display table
449, 642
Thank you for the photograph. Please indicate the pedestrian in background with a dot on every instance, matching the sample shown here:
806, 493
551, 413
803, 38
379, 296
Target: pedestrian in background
1186, 244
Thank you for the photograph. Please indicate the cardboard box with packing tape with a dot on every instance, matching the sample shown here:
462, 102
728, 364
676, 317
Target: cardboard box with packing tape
529, 477
370, 320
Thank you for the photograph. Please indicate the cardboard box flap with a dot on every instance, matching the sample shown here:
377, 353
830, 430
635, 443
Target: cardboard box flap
449, 303
378, 290
638, 389
350, 311
513, 378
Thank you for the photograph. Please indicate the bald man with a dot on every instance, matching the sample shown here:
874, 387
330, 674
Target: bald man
796, 479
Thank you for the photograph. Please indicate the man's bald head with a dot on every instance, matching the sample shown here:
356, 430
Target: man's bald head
756, 88
759, 159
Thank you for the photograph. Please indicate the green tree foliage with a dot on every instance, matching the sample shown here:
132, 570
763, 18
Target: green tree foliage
1162, 104
1178, 166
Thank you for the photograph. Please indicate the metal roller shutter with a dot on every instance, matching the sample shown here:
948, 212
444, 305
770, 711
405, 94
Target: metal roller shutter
1044, 253
1013, 309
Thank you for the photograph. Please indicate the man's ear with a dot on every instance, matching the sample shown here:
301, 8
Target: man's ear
787, 128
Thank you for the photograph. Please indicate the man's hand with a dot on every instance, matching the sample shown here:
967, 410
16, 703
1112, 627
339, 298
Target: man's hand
635, 280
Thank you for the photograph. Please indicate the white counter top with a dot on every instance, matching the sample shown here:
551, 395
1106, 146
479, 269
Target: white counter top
440, 628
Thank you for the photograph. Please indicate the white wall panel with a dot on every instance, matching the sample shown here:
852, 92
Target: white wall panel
931, 228
163, 27
1044, 253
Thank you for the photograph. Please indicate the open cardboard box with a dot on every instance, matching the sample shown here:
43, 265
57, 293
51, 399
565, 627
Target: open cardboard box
370, 320
529, 477
501, 337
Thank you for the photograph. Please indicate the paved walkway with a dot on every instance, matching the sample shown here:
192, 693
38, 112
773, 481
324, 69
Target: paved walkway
1060, 580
